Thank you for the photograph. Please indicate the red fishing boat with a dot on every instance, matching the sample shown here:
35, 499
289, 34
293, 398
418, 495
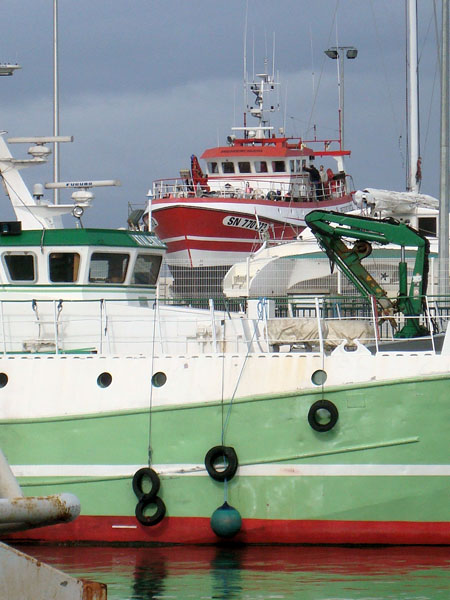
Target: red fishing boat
257, 188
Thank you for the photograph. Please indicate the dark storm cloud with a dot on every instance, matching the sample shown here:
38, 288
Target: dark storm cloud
144, 84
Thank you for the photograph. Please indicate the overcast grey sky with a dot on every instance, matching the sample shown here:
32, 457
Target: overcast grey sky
146, 83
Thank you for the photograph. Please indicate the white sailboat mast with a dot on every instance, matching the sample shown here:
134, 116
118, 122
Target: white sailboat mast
413, 97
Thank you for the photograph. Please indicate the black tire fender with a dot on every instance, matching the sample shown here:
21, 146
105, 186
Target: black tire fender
154, 519
313, 415
138, 478
231, 458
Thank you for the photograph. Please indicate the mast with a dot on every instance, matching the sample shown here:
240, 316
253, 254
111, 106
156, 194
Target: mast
55, 101
413, 97
444, 161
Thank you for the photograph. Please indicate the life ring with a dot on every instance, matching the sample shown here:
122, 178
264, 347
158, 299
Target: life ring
231, 460
139, 477
314, 419
154, 519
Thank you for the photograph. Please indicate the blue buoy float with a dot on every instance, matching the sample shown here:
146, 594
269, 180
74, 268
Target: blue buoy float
226, 521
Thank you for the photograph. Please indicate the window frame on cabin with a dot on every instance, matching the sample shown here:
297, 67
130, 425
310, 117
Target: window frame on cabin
116, 273
228, 167
70, 267
11, 254
153, 272
245, 167
258, 164
275, 164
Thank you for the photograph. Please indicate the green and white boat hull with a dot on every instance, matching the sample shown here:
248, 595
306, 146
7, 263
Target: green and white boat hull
379, 475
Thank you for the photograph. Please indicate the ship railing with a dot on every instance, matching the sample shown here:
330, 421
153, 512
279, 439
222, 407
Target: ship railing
110, 327
298, 188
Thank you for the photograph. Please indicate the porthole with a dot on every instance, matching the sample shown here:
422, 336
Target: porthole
3, 379
319, 377
159, 379
104, 380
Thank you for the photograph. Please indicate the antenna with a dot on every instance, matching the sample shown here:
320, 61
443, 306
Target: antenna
8, 69
39, 151
312, 63
81, 194
245, 58
273, 58
253, 50
40, 139
59, 185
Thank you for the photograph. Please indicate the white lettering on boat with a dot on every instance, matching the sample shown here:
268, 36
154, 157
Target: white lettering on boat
245, 223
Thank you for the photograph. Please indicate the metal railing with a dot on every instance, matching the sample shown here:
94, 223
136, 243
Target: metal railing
110, 327
298, 189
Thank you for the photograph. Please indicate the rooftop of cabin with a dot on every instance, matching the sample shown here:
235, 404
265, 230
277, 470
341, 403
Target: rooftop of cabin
276, 146
260, 147
11, 235
84, 257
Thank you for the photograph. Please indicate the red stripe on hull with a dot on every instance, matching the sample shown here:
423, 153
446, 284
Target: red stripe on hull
197, 530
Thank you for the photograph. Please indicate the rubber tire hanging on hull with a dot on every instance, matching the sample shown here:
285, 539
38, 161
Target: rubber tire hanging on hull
154, 519
148, 498
231, 458
323, 405
139, 477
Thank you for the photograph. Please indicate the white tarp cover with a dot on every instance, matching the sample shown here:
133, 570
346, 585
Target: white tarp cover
296, 331
394, 201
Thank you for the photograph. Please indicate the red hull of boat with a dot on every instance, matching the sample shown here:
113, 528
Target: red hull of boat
193, 225
197, 530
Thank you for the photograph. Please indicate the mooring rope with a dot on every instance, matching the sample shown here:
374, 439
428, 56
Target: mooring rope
262, 304
150, 406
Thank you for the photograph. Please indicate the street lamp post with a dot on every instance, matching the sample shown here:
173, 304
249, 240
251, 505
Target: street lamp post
340, 52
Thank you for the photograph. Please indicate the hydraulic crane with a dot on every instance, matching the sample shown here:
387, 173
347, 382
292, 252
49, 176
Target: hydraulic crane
331, 227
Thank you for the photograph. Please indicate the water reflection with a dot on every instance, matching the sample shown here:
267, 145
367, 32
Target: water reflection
149, 575
309, 573
226, 574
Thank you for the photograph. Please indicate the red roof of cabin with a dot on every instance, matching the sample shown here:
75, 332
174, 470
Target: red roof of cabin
267, 147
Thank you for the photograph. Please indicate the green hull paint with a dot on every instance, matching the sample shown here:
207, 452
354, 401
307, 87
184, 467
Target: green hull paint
283, 498
379, 424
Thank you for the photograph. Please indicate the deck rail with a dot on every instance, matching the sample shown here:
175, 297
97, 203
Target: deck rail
297, 189
112, 327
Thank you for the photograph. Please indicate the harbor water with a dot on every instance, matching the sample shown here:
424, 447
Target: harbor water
258, 573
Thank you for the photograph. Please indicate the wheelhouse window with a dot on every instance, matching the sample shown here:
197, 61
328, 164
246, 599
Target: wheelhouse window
213, 167
63, 266
244, 167
20, 266
146, 269
260, 166
295, 166
278, 166
108, 267
228, 167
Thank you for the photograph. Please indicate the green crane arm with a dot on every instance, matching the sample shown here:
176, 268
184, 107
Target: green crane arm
330, 227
